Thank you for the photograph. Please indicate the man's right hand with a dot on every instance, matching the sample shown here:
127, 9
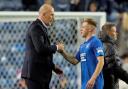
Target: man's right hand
60, 47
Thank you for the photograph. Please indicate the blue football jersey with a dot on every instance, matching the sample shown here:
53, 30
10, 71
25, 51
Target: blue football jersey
87, 55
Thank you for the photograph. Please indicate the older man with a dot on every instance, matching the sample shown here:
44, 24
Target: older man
38, 63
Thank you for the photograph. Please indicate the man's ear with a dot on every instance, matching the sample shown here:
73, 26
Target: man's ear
44, 14
91, 28
108, 32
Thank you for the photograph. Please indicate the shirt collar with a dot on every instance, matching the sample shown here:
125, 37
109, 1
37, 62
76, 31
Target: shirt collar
43, 23
89, 38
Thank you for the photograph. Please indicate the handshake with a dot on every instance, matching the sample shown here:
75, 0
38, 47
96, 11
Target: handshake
60, 47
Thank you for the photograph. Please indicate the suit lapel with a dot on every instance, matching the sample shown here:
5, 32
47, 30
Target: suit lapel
44, 29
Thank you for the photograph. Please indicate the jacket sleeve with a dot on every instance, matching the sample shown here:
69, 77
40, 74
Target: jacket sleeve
53, 66
109, 52
38, 41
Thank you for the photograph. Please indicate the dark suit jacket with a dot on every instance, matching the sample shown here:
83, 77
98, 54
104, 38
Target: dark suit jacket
112, 70
38, 63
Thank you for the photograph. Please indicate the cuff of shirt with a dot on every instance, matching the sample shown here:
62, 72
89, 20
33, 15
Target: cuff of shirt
57, 47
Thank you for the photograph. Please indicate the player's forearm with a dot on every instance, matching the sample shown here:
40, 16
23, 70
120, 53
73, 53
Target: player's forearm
99, 67
69, 58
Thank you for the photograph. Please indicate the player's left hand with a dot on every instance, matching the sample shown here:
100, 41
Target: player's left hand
90, 83
58, 71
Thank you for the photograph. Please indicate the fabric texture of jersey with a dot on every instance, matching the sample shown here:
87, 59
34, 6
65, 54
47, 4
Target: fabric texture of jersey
87, 55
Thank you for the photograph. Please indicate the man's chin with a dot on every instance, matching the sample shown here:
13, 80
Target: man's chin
82, 36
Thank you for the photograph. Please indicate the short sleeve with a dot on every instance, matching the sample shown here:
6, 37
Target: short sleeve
78, 55
98, 48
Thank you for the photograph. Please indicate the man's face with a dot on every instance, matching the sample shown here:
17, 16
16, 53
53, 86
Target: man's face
49, 16
113, 33
85, 29
126, 60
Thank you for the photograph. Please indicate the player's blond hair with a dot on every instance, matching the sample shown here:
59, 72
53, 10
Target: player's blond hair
90, 21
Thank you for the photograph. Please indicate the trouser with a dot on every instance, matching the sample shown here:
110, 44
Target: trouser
120, 73
109, 82
36, 85
112, 75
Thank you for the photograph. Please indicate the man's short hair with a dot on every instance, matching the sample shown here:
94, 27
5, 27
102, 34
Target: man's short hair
90, 21
107, 26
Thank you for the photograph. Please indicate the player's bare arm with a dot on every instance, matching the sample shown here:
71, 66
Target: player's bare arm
99, 66
97, 71
70, 58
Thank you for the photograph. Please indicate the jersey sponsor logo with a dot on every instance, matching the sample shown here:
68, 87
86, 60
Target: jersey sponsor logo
83, 60
99, 50
83, 56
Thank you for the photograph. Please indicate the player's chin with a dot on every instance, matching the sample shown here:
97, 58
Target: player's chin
82, 35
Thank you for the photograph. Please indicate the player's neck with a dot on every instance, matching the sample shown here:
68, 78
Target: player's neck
88, 37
